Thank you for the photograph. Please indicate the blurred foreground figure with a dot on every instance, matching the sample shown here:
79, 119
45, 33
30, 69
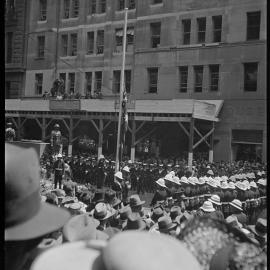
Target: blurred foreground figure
27, 219
9, 133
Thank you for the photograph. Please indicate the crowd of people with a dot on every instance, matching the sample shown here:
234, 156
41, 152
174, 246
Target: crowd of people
88, 217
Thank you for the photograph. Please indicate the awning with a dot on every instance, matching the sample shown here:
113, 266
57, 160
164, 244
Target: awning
207, 109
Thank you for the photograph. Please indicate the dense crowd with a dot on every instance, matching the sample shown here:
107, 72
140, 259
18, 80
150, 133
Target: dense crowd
213, 217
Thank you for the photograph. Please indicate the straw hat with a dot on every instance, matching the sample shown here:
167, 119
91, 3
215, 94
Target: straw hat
119, 175
224, 185
201, 181
207, 207
210, 172
241, 186
253, 184
236, 204
135, 200
126, 169
215, 199
231, 185
101, 212
161, 182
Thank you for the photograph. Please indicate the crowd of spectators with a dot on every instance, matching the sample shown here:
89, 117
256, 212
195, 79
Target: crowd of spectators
91, 225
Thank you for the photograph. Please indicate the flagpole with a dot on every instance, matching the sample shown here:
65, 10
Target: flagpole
117, 165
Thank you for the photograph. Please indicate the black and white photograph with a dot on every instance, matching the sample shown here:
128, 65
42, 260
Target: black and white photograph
135, 135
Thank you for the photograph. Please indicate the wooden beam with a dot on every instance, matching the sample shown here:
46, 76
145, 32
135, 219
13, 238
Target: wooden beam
38, 123
66, 125
140, 126
14, 122
147, 134
203, 139
107, 124
183, 128
198, 132
49, 122
94, 124
74, 139
77, 123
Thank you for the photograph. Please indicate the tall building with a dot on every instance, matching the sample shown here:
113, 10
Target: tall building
195, 73
15, 45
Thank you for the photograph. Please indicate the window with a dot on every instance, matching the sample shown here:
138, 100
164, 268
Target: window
131, 4
90, 42
75, 8
7, 89
201, 24
71, 81
64, 41
102, 6
121, 4
152, 79
253, 25
250, 77
217, 28
186, 24
73, 47
214, 77
98, 81
62, 77
117, 80
198, 78
88, 79
66, 9
155, 34
42, 10
157, 2
41, 46
9, 49
92, 6
119, 39
183, 76
100, 41
38, 84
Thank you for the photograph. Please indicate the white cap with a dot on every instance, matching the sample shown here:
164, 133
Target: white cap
126, 169
119, 175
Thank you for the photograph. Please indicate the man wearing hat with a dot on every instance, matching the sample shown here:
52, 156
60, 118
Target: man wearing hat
56, 140
237, 210
59, 170
215, 200
27, 219
260, 231
9, 133
160, 194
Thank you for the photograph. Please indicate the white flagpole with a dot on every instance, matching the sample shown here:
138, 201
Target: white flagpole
117, 165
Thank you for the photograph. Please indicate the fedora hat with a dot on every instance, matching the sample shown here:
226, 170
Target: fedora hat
158, 212
110, 197
23, 207
116, 254
101, 212
82, 227
119, 175
99, 196
161, 182
233, 221
236, 204
135, 222
260, 228
184, 180
175, 211
215, 199
165, 224
134, 200
207, 207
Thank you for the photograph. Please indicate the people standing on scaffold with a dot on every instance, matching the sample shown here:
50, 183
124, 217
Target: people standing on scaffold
56, 141
9, 133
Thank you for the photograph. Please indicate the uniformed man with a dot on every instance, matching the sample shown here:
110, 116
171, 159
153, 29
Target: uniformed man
59, 170
56, 140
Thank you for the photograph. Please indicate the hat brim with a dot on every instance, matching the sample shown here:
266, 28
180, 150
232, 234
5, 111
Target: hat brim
214, 202
48, 219
235, 206
160, 184
208, 210
171, 227
76, 255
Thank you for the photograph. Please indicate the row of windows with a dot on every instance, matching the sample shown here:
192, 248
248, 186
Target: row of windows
71, 7
95, 40
93, 80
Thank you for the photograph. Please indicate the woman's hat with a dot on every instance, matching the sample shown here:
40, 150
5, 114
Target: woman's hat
207, 207
135, 200
135, 222
23, 207
82, 227
236, 204
161, 182
165, 224
215, 199
101, 212
260, 227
